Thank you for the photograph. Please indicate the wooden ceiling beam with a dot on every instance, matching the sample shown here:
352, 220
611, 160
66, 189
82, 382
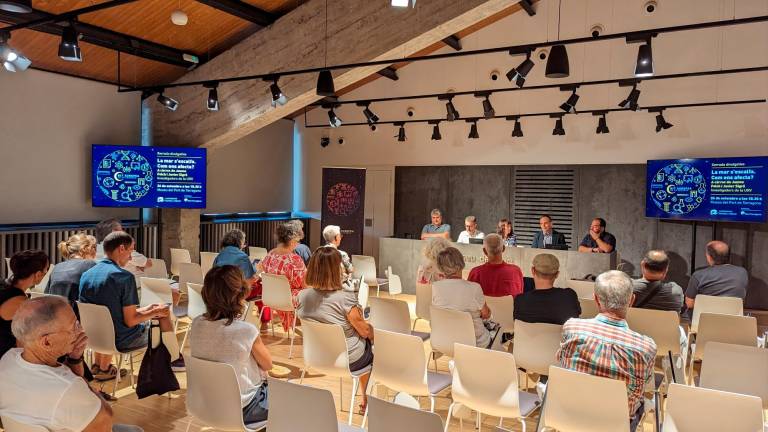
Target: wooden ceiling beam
242, 10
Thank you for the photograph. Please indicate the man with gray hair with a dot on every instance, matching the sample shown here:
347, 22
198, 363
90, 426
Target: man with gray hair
437, 228
36, 389
605, 346
497, 278
470, 231
332, 237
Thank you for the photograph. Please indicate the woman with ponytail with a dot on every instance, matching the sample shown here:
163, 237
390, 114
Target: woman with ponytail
28, 267
78, 252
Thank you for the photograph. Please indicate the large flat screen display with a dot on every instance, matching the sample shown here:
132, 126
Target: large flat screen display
136, 176
723, 189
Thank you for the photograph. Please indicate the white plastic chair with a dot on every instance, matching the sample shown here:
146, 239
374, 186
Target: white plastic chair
206, 261
578, 402
737, 369
325, 351
389, 417
365, 266
318, 412
213, 396
584, 289
189, 272
395, 284
535, 346
588, 308
363, 294
11, 425
503, 311
97, 324
714, 304
44, 281
423, 302
496, 394
706, 410
732, 329
195, 308
255, 252
276, 294
448, 328
8, 270
179, 256
392, 315
664, 328
158, 270
155, 291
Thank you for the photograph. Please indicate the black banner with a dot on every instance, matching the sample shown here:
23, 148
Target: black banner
344, 205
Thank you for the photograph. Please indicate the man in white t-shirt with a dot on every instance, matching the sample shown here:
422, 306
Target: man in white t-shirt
471, 231
35, 388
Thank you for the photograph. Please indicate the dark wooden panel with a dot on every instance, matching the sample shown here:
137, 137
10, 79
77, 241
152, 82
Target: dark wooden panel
417, 191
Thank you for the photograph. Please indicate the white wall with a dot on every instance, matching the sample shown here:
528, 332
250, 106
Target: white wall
253, 173
47, 125
699, 132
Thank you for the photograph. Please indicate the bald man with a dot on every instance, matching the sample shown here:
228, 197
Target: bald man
720, 278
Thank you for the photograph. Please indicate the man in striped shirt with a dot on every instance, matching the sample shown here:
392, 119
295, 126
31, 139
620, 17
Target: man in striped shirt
605, 346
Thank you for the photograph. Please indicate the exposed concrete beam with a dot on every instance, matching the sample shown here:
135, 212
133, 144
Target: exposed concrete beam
357, 32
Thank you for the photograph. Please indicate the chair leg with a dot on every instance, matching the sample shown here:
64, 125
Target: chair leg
478, 422
117, 377
130, 358
302, 375
341, 393
431, 403
355, 385
369, 391
292, 335
522, 422
450, 413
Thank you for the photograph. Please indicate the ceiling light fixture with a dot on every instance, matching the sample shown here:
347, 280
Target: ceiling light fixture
488, 111
401, 132
170, 103
333, 119
473, 133
631, 101
557, 62
325, 85
213, 96
179, 17
519, 73
12, 60
370, 117
644, 65
517, 131
661, 122
602, 123
403, 3
569, 105
451, 113
436, 131
278, 97
16, 6
69, 49
558, 130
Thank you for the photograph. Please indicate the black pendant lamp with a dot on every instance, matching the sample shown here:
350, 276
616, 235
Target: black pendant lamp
557, 62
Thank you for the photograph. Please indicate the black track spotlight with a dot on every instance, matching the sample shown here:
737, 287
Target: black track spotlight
278, 97
602, 123
169, 103
517, 131
370, 117
325, 85
69, 49
644, 66
436, 131
632, 99
12, 60
212, 103
16, 6
569, 105
558, 130
473, 133
333, 119
488, 111
661, 122
519, 73
451, 112
401, 132
557, 62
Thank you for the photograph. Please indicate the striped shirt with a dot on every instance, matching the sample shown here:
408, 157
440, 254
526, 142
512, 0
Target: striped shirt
606, 347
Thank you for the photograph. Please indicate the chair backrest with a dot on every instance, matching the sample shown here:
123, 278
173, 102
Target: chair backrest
97, 324
213, 394
276, 292
535, 345
8, 270
732, 329
387, 417
450, 327
661, 326
395, 285
159, 270
362, 295
715, 304
577, 402
365, 266
179, 256
503, 311
155, 290
706, 410
584, 289
189, 272
390, 314
400, 362
318, 412
196, 306
44, 281
325, 348
255, 252
494, 394
736, 369
36, 294
588, 308
423, 300
11, 425
206, 261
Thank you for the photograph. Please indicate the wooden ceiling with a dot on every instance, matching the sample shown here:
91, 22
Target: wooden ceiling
208, 32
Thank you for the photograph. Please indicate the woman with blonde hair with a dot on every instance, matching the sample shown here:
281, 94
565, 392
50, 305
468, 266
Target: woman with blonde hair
428, 271
78, 251
327, 302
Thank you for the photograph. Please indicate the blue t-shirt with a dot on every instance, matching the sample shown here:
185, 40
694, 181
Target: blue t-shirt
109, 285
304, 252
436, 229
231, 255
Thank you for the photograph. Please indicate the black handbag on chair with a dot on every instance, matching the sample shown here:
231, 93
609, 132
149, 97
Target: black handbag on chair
155, 374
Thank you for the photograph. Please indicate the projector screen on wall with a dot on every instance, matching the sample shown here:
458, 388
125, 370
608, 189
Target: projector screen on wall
723, 189
136, 176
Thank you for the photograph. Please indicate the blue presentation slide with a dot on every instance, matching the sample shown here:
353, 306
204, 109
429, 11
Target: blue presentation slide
724, 189
136, 176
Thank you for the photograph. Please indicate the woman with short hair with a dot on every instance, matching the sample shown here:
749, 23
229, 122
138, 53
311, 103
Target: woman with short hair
29, 268
232, 253
428, 271
220, 335
79, 252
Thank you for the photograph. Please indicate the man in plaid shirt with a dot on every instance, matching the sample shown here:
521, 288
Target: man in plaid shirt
605, 346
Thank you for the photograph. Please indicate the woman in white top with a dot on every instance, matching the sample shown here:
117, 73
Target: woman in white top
455, 293
220, 335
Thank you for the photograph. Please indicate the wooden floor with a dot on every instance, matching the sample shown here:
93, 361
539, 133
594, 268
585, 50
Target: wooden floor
160, 413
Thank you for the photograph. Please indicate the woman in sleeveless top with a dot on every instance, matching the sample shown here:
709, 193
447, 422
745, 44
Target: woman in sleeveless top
29, 268
79, 252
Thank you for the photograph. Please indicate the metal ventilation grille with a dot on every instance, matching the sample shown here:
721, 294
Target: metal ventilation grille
257, 233
547, 191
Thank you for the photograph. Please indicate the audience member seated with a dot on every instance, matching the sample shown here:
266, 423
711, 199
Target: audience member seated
221, 335
28, 267
605, 346
598, 240
332, 237
455, 293
548, 236
547, 304
283, 261
79, 252
437, 228
37, 389
232, 253
652, 291
109, 284
470, 231
504, 229
326, 302
138, 262
428, 272
497, 278
720, 278
302, 250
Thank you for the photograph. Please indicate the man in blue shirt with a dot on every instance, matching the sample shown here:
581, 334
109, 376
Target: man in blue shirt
598, 240
231, 253
437, 228
108, 284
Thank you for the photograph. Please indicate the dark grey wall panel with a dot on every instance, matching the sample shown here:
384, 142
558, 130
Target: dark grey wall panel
418, 191
482, 191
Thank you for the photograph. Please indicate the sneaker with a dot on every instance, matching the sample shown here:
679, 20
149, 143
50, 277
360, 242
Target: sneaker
108, 374
107, 397
178, 365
